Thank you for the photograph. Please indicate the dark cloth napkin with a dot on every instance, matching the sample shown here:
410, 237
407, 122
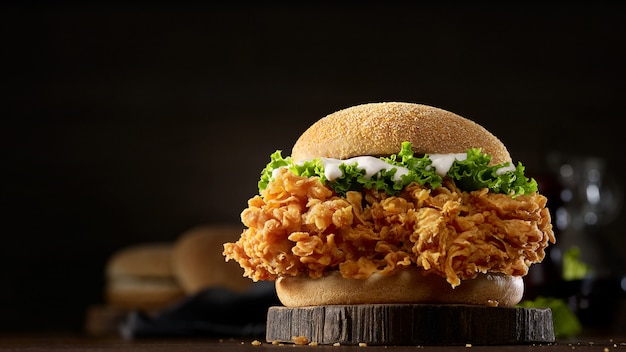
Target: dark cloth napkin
215, 311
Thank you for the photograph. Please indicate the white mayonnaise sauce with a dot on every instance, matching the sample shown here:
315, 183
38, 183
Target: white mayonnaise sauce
276, 170
370, 164
443, 162
373, 165
505, 169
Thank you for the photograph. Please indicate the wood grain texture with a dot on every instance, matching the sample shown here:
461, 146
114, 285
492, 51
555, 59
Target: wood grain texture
410, 324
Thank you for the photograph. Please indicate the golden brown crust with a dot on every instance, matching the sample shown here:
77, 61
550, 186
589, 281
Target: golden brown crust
408, 285
380, 128
198, 261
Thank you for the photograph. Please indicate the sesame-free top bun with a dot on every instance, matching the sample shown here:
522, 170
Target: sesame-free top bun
378, 129
408, 286
141, 276
198, 261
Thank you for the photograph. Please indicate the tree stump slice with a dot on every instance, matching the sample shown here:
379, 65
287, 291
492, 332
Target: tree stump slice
410, 324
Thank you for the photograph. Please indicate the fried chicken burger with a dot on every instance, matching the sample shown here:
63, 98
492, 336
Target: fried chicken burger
394, 203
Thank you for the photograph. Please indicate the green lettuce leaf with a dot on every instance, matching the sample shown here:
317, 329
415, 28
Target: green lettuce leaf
420, 168
475, 173
470, 174
276, 161
573, 266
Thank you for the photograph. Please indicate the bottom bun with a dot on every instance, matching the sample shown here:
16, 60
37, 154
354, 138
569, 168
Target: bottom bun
142, 293
406, 286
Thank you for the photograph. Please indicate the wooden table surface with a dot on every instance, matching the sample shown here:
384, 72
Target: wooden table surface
35, 343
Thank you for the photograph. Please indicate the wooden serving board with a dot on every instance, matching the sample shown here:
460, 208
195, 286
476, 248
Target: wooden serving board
410, 324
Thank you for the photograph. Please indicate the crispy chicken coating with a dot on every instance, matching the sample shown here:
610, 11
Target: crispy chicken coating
298, 226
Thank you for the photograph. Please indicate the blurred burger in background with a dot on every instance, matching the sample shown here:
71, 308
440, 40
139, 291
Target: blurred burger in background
152, 276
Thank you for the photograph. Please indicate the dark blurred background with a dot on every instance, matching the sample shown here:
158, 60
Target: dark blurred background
133, 122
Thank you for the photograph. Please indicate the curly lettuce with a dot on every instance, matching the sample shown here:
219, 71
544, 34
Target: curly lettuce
470, 174
475, 173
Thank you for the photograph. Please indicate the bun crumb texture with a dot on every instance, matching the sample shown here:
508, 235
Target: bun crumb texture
378, 129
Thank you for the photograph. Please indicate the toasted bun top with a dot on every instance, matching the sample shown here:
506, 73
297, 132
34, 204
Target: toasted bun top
143, 260
378, 129
198, 261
